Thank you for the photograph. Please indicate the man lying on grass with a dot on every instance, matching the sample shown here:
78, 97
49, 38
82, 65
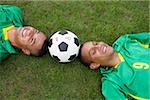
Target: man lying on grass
14, 35
125, 67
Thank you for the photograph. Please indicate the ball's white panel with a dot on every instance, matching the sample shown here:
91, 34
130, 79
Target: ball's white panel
66, 38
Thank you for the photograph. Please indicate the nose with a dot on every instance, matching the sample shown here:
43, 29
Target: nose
30, 34
96, 46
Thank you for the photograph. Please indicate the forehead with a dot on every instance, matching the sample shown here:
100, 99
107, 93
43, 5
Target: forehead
87, 45
86, 48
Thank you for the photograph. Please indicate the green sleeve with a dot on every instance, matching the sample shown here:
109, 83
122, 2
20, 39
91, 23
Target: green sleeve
11, 15
143, 38
112, 91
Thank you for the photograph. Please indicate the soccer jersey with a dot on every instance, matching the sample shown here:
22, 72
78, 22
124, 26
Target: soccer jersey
10, 16
131, 77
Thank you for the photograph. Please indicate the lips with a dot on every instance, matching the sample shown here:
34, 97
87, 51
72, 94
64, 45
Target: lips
103, 48
24, 32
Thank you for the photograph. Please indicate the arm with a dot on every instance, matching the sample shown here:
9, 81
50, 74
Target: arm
112, 91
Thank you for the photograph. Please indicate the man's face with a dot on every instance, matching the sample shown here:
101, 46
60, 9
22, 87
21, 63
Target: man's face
97, 52
29, 39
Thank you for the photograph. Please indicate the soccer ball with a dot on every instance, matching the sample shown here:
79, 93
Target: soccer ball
64, 46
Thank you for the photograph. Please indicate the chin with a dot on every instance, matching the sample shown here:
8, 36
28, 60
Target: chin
111, 50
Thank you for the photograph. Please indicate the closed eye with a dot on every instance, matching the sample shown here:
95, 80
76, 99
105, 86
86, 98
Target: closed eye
33, 41
92, 51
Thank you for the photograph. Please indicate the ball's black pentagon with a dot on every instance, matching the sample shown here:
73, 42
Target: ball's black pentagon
76, 41
55, 57
63, 46
50, 42
63, 32
72, 57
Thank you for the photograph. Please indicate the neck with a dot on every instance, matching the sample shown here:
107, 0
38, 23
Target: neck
11, 36
115, 60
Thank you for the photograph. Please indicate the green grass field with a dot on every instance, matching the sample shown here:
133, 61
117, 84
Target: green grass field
30, 78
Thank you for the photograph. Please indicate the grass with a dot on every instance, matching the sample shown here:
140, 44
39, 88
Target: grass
30, 78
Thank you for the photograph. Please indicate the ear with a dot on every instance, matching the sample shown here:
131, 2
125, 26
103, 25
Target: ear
26, 51
94, 65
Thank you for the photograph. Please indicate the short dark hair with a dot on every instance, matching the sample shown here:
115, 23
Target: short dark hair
43, 50
82, 60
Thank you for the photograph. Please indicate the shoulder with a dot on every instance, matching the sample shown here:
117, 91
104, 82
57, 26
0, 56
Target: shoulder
11, 8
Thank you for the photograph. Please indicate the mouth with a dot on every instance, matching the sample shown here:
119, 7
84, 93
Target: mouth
24, 32
103, 48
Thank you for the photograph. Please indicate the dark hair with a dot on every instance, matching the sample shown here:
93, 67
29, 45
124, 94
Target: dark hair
82, 60
43, 50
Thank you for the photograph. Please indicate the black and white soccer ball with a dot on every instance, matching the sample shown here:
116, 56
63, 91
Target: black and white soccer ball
64, 46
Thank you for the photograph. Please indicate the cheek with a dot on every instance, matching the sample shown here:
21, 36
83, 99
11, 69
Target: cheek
17, 40
95, 58
111, 50
21, 42
98, 57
